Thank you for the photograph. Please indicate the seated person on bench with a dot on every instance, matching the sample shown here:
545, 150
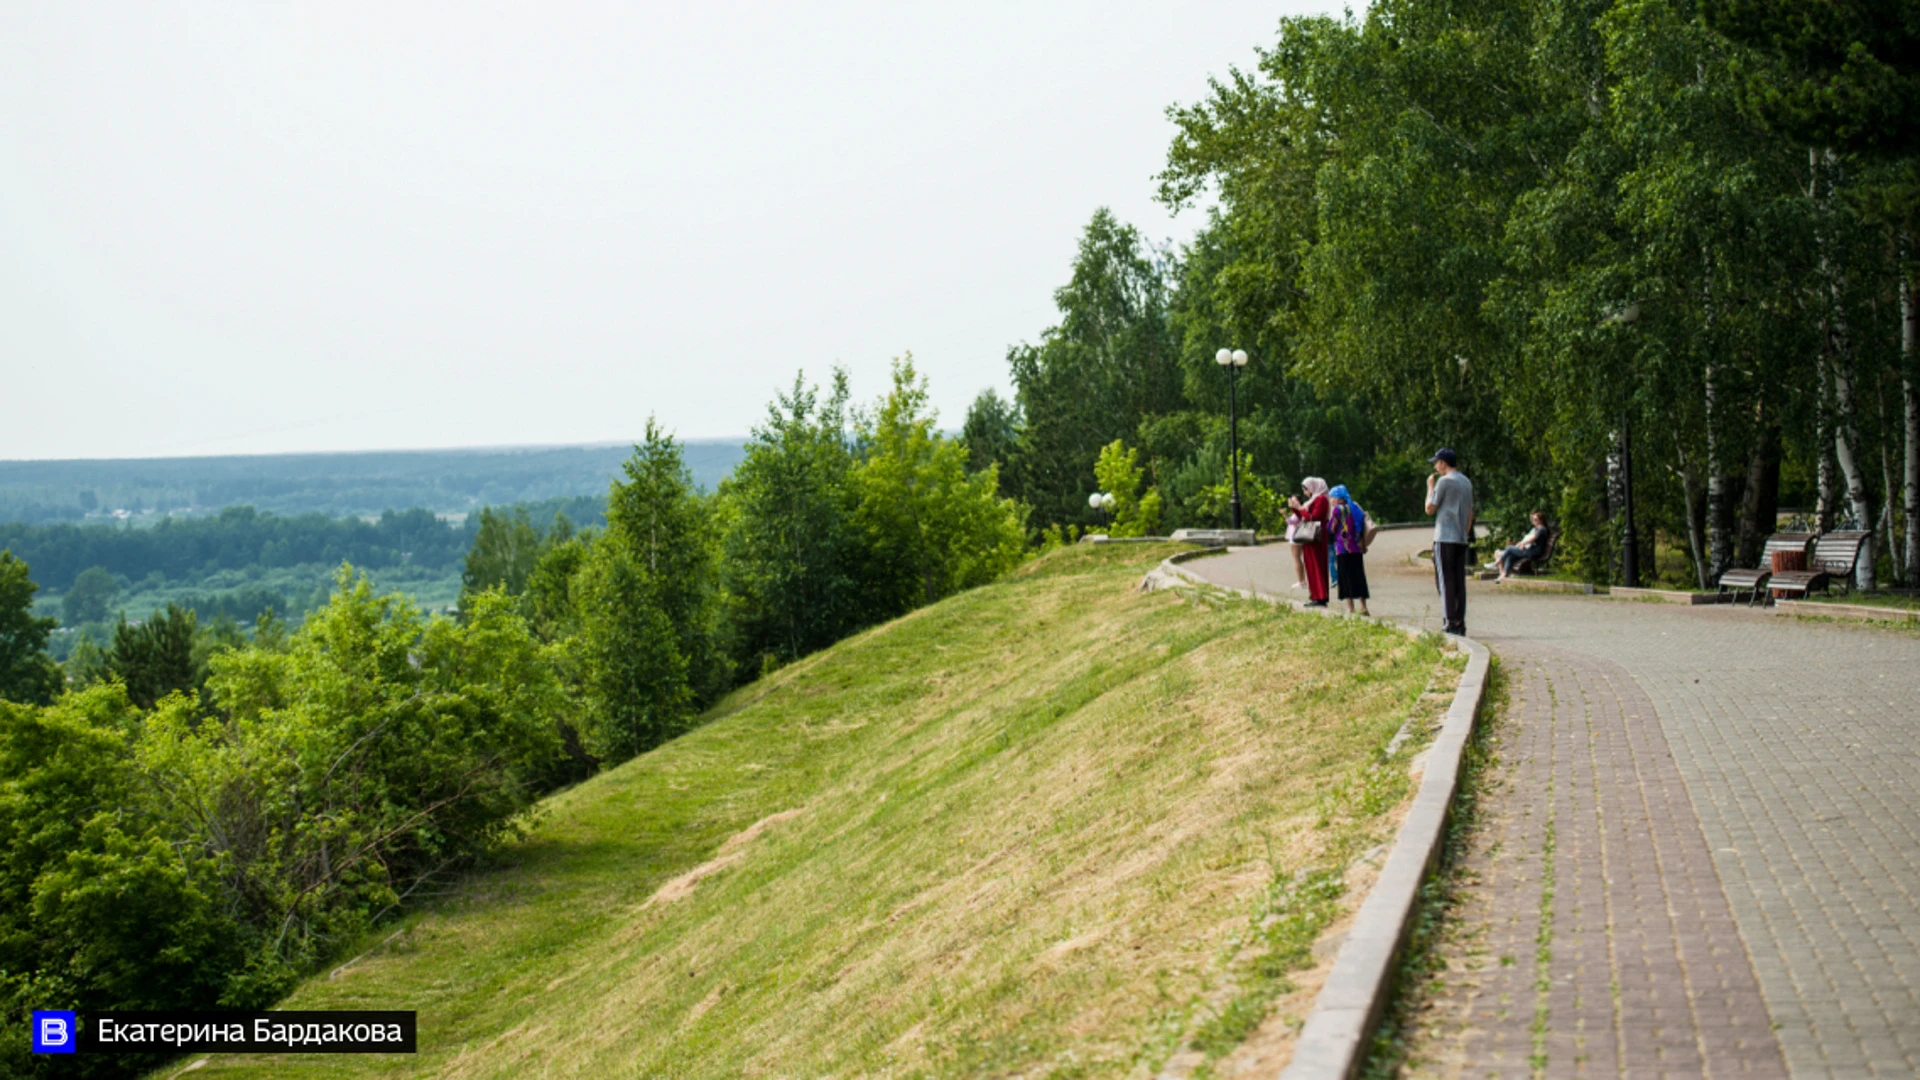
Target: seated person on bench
1532, 546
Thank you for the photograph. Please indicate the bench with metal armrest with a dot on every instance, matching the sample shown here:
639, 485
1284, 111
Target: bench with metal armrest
1752, 581
1834, 557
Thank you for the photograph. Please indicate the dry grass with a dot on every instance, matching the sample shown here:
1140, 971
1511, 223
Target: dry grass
1053, 827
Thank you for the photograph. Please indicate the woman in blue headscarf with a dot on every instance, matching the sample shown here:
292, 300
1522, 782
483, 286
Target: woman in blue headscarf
1347, 524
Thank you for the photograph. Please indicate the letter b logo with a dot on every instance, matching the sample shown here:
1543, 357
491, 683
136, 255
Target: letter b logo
53, 1032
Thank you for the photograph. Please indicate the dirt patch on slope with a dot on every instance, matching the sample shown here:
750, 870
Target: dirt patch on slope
730, 852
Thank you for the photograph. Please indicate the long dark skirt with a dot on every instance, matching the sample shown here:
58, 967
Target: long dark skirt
1353, 576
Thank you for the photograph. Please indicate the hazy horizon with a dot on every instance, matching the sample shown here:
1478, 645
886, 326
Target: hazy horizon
476, 448
236, 229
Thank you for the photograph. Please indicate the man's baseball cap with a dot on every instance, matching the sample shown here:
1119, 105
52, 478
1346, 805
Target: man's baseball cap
1446, 455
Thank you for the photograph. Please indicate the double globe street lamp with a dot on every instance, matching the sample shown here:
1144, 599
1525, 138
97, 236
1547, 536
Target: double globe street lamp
1102, 501
1233, 360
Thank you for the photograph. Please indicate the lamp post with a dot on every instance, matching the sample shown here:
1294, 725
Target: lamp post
1103, 502
1233, 360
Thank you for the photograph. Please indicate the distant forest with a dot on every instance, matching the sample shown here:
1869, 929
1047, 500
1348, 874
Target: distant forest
241, 562
446, 482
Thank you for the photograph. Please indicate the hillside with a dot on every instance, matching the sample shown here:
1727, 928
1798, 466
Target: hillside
1053, 826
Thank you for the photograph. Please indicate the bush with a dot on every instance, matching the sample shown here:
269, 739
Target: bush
176, 858
1119, 474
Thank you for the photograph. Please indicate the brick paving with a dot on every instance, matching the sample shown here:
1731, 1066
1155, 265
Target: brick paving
1735, 835
1595, 939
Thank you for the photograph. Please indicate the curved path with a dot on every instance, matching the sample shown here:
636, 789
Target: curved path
1701, 852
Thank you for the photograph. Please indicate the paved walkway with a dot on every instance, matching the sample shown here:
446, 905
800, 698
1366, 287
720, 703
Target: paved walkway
1702, 852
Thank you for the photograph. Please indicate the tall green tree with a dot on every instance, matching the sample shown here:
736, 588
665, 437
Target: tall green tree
1840, 74
647, 604
1265, 141
154, 657
991, 431
1089, 380
638, 680
548, 601
668, 526
931, 527
506, 548
90, 598
792, 555
27, 673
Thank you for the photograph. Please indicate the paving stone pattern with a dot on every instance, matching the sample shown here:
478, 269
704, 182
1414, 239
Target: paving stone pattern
1595, 939
1797, 750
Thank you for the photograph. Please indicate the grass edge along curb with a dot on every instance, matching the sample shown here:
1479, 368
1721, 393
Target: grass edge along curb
1333, 1041
1810, 609
1387, 1050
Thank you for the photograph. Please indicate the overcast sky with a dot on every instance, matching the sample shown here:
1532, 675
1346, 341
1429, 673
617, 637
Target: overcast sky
247, 227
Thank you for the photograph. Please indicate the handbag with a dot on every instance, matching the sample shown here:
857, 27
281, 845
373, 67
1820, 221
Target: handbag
1307, 532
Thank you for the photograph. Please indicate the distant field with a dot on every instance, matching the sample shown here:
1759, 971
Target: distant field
447, 482
1049, 827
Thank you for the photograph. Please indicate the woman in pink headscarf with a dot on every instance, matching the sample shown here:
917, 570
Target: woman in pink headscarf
1313, 520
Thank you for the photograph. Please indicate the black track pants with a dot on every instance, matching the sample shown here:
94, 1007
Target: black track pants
1450, 575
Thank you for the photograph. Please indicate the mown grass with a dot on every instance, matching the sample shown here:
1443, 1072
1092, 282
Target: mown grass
1022, 831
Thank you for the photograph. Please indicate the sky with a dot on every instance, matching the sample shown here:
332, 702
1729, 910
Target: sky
232, 228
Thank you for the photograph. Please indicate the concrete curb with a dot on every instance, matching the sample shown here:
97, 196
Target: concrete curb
1332, 1044
1863, 612
1549, 585
1667, 596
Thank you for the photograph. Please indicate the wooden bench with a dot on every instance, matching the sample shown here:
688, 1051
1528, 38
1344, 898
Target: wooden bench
1834, 556
1538, 564
1752, 580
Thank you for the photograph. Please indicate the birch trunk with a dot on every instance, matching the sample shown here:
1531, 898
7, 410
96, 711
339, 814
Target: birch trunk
1823, 511
1845, 436
1825, 499
1719, 530
1909, 342
1840, 354
1696, 530
1719, 484
1886, 486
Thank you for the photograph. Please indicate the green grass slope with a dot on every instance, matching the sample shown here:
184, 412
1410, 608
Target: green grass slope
1054, 826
